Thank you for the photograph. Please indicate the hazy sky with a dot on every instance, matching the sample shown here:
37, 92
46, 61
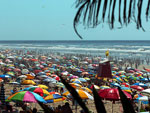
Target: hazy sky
53, 20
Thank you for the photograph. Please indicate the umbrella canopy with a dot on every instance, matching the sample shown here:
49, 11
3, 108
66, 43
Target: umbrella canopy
28, 82
138, 88
25, 71
82, 79
146, 92
26, 96
37, 90
112, 94
86, 89
52, 96
43, 86
140, 84
23, 76
82, 94
75, 85
5, 76
104, 87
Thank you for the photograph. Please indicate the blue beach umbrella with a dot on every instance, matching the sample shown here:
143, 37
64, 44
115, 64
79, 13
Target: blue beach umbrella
78, 82
140, 84
82, 79
5, 76
115, 84
144, 79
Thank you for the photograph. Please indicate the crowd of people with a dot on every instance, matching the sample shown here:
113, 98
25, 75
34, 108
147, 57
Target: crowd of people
19, 66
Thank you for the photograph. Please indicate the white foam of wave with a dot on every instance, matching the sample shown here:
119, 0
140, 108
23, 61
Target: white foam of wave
68, 48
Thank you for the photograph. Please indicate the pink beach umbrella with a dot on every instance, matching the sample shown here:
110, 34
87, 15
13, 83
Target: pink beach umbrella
72, 77
26, 96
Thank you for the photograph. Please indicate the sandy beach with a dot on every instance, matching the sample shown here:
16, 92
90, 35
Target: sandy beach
40, 68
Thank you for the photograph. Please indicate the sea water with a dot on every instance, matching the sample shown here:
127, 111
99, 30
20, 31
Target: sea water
119, 48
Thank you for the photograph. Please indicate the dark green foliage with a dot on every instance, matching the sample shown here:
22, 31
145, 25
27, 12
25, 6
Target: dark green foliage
98, 102
126, 103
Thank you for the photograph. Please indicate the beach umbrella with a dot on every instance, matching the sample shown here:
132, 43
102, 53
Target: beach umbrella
82, 94
138, 88
146, 92
144, 79
37, 90
2, 94
28, 82
59, 84
5, 76
14, 83
22, 76
72, 80
125, 84
75, 85
43, 86
82, 79
86, 89
1, 80
112, 94
51, 80
115, 84
77, 81
26, 96
29, 76
72, 77
41, 73
140, 84
126, 89
53, 98
11, 73
42, 76
17, 70
104, 87
86, 78
27, 88
25, 71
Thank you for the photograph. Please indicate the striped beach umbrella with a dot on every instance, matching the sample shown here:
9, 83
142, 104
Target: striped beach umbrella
75, 85
82, 94
52, 98
86, 89
26, 96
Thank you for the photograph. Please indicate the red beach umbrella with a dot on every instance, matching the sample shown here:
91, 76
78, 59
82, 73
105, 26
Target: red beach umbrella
125, 84
112, 94
138, 88
37, 71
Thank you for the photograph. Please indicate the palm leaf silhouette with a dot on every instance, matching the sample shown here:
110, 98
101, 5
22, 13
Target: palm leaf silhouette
93, 12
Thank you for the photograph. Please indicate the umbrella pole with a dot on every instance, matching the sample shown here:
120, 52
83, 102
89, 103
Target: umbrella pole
112, 106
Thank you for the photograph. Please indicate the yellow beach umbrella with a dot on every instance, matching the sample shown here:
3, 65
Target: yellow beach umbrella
86, 89
75, 85
86, 78
28, 82
43, 86
82, 94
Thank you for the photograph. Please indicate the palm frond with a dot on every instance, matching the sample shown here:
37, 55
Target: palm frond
91, 12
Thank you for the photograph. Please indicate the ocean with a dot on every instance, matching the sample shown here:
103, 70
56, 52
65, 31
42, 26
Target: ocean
119, 48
